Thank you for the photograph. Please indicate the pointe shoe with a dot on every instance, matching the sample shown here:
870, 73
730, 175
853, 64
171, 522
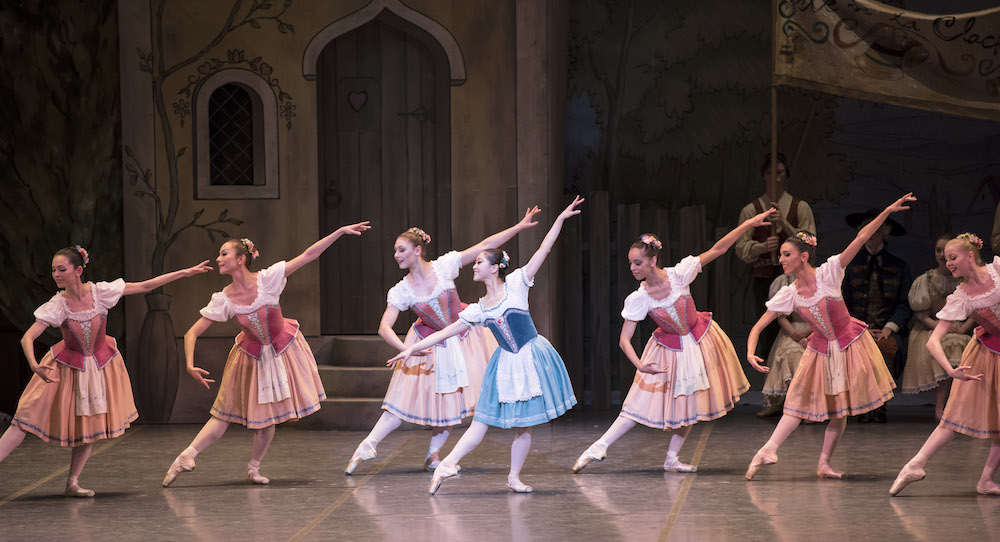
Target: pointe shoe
906, 478
364, 452
594, 453
515, 485
987, 490
675, 465
77, 491
831, 474
181, 464
254, 477
440, 474
759, 460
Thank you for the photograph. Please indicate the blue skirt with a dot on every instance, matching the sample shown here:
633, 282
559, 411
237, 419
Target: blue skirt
556, 398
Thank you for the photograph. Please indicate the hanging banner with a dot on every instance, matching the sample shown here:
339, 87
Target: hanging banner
871, 51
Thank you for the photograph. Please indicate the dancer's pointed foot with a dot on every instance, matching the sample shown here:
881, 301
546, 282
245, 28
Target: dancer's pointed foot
763, 457
674, 465
431, 462
596, 452
829, 472
74, 490
906, 477
183, 463
443, 471
514, 484
988, 488
365, 451
254, 477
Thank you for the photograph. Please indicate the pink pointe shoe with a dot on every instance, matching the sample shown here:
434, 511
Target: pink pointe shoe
364, 452
440, 474
254, 477
73, 490
594, 453
514, 484
675, 465
759, 460
183, 463
905, 478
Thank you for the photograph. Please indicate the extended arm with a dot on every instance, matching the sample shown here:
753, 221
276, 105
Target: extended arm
166, 278
453, 329
625, 343
320, 246
46, 373
498, 239
550, 238
865, 233
190, 338
385, 328
722, 245
755, 360
934, 347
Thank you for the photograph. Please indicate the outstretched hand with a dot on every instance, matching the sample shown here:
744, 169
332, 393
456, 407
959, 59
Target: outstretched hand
761, 219
203, 267
757, 363
402, 356
355, 229
901, 203
199, 375
571, 209
959, 373
527, 222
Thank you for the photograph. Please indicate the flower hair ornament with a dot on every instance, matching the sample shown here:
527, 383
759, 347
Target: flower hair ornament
651, 240
972, 239
421, 234
83, 254
807, 239
251, 250
505, 261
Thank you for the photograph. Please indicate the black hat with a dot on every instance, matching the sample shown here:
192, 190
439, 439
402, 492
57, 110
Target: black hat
855, 220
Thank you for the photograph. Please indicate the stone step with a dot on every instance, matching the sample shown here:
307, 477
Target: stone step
352, 350
344, 414
345, 382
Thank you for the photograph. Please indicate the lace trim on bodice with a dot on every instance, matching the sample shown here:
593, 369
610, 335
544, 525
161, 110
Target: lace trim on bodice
986, 299
261, 300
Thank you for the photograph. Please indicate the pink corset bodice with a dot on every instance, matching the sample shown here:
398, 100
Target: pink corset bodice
438, 313
830, 320
82, 338
988, 332
265, 326
688, 320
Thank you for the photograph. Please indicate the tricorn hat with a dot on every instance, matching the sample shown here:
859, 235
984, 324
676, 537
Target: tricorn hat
855, 220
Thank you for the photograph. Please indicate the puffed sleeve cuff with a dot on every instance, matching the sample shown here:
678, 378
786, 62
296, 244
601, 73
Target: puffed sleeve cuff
449, 264
471, 315
52, 312
636, 307
954, 309
272, 279
783, 302
687, 270
107, 294
397, 297
831, 273
216, 308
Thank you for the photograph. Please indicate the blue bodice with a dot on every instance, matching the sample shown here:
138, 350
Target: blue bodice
513, 329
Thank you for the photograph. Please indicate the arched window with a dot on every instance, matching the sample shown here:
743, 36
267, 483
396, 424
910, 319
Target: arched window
236, 137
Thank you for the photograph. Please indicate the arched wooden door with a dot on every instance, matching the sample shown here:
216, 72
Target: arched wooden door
384, 155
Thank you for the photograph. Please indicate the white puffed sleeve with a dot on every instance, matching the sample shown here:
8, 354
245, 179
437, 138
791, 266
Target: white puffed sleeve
272, 279
685, 271
831, 273
107, 294
518, 283
955, 308
398, 297
53, 312
920, 293
636, 306
448, 265
782, 302
471, 315
217, 309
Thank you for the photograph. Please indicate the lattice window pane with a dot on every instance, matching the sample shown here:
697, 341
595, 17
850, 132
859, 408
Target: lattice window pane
230, 136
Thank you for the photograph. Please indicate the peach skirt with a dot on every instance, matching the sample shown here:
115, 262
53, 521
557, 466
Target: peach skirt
868, 382
49, 410
922, 372
974, 405
412, 397
237, 399
651, 402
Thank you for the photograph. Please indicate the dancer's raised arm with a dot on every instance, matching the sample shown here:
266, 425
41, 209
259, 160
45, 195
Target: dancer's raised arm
499, 238
865, 233
550, 238
752, 357
166, 278
722, 245
320, 246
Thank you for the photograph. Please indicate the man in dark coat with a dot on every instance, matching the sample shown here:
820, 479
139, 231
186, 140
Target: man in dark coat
876, 289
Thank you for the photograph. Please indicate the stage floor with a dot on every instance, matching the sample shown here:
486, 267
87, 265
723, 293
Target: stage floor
627, 497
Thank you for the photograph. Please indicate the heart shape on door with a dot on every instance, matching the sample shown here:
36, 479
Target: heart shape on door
357, 99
